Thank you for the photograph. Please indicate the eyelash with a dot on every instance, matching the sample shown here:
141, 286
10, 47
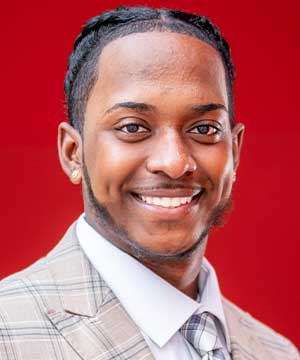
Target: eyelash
138, 126
121, 128
216, 130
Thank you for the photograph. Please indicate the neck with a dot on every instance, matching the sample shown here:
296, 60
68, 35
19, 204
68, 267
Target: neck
183, 274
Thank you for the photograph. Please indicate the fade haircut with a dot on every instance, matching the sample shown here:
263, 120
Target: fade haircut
100, 30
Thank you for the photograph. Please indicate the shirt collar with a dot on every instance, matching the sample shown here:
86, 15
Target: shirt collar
152, 303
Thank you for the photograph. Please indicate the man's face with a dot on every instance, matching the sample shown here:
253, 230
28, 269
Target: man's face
158, 149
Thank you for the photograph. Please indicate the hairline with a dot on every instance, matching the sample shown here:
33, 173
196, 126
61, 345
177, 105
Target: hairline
93, 59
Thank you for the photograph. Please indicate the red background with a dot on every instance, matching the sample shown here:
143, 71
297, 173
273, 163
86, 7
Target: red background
256, 254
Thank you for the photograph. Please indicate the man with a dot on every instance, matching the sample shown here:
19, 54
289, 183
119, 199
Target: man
153, 141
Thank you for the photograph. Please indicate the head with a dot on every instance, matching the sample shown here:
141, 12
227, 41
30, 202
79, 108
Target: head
152, 136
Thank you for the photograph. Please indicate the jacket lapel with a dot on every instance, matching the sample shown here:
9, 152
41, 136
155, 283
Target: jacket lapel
86, 312
245, 345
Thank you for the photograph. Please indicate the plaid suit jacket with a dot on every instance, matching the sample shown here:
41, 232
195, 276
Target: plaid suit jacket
61, 309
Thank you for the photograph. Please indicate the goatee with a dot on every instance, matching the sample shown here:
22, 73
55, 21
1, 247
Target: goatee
104, 220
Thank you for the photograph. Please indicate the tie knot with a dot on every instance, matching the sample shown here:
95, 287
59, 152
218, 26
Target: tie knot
201, 332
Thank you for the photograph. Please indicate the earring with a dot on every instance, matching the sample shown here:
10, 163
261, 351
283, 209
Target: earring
74, 174
234, 176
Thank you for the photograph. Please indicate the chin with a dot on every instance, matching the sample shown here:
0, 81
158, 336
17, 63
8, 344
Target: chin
169, 251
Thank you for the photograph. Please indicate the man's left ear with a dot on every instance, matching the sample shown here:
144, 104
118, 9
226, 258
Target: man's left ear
237, 141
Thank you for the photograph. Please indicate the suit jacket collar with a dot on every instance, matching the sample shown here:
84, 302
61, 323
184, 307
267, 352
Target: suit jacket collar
81, 288
87, 309
88, 314
245, 345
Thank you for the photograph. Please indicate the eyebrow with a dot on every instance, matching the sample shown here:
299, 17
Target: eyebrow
143, 107
131, 105
204, 108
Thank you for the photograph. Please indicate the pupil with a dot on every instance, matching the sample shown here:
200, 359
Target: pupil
203, 129
132, 128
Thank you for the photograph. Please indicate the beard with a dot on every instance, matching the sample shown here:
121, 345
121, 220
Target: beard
117, 234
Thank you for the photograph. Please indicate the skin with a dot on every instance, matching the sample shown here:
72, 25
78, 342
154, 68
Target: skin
179, 143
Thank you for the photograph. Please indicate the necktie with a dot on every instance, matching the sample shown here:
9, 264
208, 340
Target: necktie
201, 332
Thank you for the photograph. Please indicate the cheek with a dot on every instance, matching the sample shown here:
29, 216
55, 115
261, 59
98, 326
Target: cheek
218, 164
111, 165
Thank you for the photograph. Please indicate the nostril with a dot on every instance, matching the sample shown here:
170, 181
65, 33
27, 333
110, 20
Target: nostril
174, 167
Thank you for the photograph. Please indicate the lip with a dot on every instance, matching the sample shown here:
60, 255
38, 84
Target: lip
165, 213
171, 193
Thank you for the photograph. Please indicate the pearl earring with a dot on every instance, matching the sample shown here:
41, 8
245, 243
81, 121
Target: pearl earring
75, 174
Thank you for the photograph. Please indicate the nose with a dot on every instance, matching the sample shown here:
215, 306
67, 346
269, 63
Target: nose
171, 156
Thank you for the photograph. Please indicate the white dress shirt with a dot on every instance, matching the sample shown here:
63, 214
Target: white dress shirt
156, 307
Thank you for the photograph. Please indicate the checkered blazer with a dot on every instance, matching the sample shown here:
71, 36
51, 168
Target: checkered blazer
61, 309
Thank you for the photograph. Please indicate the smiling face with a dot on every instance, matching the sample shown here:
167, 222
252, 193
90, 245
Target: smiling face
158, 150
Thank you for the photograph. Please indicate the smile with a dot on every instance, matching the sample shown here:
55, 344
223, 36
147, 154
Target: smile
166, 202
170, 199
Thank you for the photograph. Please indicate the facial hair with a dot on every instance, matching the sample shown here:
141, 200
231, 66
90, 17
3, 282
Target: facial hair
105, 221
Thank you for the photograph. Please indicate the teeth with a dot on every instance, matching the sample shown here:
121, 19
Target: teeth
155, 201
165, 201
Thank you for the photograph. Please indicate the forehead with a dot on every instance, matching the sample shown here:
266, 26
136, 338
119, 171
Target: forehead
161, 61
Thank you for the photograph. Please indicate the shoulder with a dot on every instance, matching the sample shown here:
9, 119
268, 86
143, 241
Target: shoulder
242, 324
27, 299
29, 289
20, 294
24, 325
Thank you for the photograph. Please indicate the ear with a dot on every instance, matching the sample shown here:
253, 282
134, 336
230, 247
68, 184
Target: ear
70, 151
237, 141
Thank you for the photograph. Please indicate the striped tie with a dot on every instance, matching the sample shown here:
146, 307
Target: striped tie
201, 332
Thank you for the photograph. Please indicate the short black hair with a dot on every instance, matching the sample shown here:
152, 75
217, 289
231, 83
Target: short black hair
112, 24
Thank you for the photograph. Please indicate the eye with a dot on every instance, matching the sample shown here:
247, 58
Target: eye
133, 129
205, 129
